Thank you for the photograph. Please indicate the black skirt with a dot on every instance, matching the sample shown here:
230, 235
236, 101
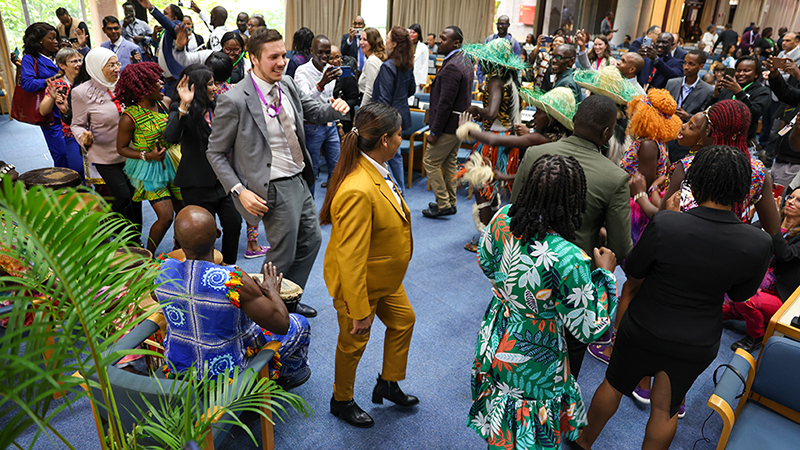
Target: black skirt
638, 354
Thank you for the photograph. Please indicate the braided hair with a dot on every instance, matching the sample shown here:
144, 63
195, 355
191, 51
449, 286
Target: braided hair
729, 121
554, 197
720, 173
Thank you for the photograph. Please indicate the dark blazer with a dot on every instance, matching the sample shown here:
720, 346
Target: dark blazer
788, 95
680, 53
666, 68
786, 263
347, 90
393, 87
636, 44
688, 262
567, 80
451, 92
726, 38
194, 170
238, 148
696, 100
757, 99
607, 194
349, 49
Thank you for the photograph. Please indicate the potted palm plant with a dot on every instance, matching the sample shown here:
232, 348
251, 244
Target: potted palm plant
56, 251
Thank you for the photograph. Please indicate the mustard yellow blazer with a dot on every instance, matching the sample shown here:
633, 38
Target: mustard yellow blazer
370, 244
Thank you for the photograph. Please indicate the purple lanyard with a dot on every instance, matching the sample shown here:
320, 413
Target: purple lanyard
270, 108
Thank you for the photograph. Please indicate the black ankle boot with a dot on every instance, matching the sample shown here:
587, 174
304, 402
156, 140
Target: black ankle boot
390, 390
351, 413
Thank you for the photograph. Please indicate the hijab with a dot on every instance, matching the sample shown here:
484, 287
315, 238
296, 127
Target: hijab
95, 60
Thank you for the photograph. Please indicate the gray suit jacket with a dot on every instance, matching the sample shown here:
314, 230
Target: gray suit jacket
239, 128
607, 193
696, 100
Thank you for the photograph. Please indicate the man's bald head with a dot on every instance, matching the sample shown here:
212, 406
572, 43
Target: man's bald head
630, 64
195, 231
218, 16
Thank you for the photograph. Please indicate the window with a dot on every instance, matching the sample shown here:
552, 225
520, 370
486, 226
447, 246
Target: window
19, 14
375, 14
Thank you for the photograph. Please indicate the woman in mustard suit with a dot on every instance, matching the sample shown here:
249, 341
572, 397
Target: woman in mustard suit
367, 258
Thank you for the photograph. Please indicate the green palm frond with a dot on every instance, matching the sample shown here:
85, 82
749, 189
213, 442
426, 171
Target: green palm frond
188, 410
64, 249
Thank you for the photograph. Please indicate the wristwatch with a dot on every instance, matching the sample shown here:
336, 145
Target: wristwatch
237, 190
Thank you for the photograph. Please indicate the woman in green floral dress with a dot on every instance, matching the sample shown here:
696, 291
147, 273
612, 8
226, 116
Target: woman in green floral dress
524, 396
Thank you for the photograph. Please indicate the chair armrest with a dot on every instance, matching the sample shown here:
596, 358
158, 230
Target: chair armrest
420, 131
728, 387
134, 338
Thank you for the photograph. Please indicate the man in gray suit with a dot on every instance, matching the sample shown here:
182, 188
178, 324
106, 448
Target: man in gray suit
607, 192
691, 93
259, 122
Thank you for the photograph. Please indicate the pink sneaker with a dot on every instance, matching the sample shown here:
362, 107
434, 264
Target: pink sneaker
250, 254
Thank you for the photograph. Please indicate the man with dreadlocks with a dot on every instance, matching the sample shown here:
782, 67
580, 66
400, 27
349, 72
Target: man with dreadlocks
521, 334
607, 197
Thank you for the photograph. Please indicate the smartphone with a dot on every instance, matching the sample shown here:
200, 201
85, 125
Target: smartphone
779, 63
16, 52
777, 190
548, 39
730, 72
347, 71
647, 42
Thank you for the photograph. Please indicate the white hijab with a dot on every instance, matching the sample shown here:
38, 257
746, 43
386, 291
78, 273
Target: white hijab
95, 60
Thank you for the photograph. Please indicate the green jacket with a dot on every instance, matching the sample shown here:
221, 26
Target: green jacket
566, 80
607, 193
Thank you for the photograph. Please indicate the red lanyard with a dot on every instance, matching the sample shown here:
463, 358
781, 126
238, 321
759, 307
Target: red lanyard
116, 102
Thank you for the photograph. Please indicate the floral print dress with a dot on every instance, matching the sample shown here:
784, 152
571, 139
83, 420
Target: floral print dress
523, 394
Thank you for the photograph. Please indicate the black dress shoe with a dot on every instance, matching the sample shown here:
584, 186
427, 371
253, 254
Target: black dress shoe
434, 205
324, 185
434, 213
305, 310
289, 383
748, 344
351, 413
390, 390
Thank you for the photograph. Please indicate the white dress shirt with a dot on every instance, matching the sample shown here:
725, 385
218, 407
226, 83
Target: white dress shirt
388, 179
421, 64
282, 163
307, 76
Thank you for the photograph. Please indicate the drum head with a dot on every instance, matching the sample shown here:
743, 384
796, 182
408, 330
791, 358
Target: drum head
51, 177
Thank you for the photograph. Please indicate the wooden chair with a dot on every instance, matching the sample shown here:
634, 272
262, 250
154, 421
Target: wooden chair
411, 142
768, 413
129, 389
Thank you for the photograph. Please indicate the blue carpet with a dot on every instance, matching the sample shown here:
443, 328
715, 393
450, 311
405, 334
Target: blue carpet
449, 294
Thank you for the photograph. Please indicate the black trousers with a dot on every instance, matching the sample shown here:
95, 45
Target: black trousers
121, 191
576, 350
218, 202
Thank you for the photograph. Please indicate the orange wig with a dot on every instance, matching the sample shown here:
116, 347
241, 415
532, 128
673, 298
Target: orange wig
653, 117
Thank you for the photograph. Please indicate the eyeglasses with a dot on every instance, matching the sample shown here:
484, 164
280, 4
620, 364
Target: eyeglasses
114, 65
792, 198
229, 50
558, 57
75, 61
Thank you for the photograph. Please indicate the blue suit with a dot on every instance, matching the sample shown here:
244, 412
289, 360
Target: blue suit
666, 68
123, 50
168, 41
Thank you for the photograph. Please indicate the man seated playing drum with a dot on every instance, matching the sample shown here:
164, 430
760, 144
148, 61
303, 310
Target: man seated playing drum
218, 316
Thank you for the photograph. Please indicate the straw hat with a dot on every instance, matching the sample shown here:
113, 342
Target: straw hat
496, 55
558, 103
608, 82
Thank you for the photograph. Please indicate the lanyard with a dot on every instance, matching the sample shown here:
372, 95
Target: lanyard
116, 102
272, 110
234, 65
744, 88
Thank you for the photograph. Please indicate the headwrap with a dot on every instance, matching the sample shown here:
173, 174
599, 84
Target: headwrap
95, 60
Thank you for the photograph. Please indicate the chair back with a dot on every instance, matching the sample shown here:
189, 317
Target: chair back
417, 123
777, 369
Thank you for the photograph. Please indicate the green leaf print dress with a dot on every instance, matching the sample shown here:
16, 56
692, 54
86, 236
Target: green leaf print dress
523, 395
